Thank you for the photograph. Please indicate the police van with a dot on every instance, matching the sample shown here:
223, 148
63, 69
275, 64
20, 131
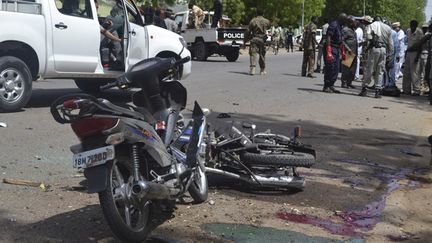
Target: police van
206, 41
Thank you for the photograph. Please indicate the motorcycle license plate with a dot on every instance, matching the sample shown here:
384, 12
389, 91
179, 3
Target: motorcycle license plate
93, 157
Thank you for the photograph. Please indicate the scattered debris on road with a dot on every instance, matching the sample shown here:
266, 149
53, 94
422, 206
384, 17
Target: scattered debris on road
381, 107
423, 177
403, 237
410, 152
2, 124
25, 183
223, 115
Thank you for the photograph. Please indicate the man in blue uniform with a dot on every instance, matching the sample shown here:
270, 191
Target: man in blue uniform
333, 53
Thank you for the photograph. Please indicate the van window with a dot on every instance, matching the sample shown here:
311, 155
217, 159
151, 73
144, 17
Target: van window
78, 8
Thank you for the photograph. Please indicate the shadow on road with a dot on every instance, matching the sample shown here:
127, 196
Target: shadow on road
86, 224
243, 73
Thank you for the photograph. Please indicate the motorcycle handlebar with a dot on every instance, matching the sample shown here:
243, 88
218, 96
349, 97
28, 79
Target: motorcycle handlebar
182, 61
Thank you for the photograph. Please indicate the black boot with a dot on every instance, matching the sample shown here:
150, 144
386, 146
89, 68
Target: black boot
332, 88
363, 92
318, 69
350, 85
378, 94
344, 85
326, 89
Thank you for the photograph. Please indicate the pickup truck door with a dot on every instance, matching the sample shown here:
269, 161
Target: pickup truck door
75, 36
136, 42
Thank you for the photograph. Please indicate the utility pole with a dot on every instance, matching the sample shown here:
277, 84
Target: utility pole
302, 23
364, 7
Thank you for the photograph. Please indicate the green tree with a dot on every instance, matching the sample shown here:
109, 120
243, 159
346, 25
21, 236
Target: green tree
284, 12
234, 9
392, 10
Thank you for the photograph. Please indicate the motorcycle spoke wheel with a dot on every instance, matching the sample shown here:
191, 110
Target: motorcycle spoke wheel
129, 218
134, 216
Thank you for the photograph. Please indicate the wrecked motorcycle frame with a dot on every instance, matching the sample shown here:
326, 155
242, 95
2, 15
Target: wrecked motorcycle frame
262, 160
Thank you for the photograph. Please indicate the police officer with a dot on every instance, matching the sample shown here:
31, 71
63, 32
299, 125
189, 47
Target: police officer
256, 34
290, 40
332, 53
309, 44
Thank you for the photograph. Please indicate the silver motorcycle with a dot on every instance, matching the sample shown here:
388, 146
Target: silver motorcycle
140, 158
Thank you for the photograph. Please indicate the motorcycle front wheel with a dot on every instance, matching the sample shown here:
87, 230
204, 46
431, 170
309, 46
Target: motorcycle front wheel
199, 187
129, 220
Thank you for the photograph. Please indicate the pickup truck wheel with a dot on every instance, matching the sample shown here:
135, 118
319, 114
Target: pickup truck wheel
201, 51
232, 56
15, 84
88, 86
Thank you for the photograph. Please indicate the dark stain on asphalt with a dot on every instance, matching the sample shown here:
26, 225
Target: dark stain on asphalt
241, 233
355, 223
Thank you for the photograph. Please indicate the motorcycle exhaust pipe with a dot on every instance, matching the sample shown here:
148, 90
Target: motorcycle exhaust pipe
152, 190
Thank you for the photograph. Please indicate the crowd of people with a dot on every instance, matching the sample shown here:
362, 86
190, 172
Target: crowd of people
376, 47
381, 51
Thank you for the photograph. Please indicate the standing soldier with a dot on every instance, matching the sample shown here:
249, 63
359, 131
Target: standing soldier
380, 46
309, 44
332, 53
256, 34
411, 73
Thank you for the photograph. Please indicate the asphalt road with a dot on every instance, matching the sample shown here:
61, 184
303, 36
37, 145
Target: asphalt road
341, 127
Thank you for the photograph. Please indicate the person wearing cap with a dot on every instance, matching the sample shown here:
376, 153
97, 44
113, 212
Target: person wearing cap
332, 53
411, 82
401, 38
380, 47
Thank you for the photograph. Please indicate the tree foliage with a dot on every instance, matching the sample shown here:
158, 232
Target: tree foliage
289, 12
392, 10
284, 12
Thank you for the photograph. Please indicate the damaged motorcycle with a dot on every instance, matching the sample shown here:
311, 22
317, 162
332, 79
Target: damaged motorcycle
134, 157
262, 160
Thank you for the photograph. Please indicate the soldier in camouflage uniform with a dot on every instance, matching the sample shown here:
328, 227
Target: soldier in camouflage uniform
256, 34
309, 45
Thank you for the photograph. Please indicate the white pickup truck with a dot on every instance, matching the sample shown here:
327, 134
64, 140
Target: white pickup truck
61, 39
207, 41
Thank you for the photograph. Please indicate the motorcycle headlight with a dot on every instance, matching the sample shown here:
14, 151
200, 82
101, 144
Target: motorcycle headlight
183, 42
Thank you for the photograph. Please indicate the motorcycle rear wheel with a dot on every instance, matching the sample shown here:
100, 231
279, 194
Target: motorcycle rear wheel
128, 222
294, 159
